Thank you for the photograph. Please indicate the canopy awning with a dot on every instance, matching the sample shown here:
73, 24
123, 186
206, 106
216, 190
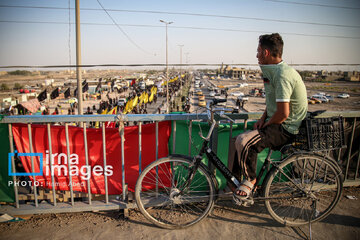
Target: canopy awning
32, 105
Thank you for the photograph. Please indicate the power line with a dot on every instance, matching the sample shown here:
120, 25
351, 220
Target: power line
194, 14
126, 35
186, 27
174, 65
313, 4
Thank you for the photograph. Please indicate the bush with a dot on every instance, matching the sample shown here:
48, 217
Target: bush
18, 86
4, 86
20, 72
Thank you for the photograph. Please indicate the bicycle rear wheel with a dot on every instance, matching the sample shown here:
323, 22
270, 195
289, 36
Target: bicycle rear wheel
303, 188
164, 198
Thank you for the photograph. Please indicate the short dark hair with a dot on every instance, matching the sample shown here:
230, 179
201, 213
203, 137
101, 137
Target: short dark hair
272, 42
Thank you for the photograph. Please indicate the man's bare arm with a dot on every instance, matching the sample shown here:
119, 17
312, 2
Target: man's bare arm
281, 114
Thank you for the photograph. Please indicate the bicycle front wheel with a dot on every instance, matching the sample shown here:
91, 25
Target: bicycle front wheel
302, 189
168, 199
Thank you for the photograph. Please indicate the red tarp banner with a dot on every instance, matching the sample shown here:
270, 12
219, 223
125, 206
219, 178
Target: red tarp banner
95, 171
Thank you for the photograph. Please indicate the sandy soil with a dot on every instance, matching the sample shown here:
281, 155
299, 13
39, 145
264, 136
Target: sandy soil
226, 222
257, 104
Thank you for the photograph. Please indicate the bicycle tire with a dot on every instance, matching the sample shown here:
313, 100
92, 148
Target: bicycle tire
304, 188
162, 205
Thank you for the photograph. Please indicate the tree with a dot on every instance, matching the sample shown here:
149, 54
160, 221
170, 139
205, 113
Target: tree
18, 86
4, 86
20, 72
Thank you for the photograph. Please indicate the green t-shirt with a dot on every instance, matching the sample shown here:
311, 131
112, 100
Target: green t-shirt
284, 84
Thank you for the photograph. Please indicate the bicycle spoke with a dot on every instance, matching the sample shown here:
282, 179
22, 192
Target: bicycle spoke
298, 192
178, 203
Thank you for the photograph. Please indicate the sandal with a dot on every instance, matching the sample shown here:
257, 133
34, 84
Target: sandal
246, 187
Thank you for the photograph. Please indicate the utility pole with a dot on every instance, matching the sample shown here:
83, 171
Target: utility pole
181, 46
167, 69
78, 58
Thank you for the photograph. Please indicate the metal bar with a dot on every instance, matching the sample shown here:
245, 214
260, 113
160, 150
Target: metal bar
32, 164
230, 138
157, 154
245, 124
213, 144
51, 163
122, 133
104, 159
78, 57
174, 137
145, 117
140, 147
16, 191
190, 136
87, 161
68, 162
349, 149
357, 165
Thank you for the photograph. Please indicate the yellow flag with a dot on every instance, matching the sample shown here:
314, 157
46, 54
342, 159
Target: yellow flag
164, 83
146, 99
128, 107
151, 98
154, 90
113, 111
135, 101
131, 102
104, 112
142, 97
174, 79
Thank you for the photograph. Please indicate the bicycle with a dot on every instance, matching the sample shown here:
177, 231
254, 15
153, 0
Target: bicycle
179, 191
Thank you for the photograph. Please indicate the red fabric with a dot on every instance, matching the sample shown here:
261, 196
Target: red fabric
95, 154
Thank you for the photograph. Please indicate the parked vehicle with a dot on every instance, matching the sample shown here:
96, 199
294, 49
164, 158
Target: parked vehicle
331, 98
311, 101
202, 103
212, 94
316, 100
322, 98
242, 98
237, 94
343, 95
142, 85
121, 102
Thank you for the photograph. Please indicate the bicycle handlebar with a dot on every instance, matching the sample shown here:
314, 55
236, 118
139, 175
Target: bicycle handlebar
210, 112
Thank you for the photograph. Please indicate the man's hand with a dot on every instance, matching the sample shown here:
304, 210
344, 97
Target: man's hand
259, 124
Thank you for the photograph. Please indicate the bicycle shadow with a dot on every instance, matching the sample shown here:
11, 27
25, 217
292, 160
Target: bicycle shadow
257, 216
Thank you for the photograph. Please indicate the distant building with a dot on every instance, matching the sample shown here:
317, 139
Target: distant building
236, 73
353, 76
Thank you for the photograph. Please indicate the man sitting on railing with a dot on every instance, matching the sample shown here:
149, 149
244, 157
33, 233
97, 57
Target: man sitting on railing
286, 107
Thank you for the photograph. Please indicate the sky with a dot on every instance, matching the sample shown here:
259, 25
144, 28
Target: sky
42, 33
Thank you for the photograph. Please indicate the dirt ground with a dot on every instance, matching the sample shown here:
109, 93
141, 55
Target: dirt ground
257, 104
226, 222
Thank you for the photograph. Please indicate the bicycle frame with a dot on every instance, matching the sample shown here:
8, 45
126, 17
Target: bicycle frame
214, 159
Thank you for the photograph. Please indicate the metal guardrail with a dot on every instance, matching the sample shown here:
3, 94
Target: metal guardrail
123, 203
